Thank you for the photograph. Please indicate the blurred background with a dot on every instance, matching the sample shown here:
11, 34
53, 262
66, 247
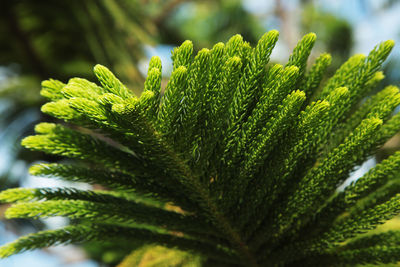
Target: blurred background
62, 39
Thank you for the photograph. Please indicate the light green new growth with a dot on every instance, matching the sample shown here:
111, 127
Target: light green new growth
237, 162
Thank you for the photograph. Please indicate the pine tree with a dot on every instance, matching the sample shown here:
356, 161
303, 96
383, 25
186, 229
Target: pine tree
238, 162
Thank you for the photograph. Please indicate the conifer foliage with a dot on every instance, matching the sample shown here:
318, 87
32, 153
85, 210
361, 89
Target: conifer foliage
237, 162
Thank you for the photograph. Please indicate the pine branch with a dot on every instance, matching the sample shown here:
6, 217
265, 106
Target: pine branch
234, 163
314, 77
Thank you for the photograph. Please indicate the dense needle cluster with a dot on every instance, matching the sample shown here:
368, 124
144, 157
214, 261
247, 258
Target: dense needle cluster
237, 162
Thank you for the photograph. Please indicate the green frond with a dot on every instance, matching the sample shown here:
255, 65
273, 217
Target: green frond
90, 232
169, 114
249, 91
93, 110
389, 238
77, 87
137, 189
356, 73
344, 75
69, 234
295, 155
380, 105
182, 55
270, 99
379, 196
315, 186
263, 144
345, 228
301, 53
60, 140
336, 164
350, 226
234, 46
374, 81
364, 187
314, 76
51, 89
17, 194
389, 129
61, 110
102, 207
92, 175
30, 194
237, 163
110, 83
153, 84
155, 63
230, 75
263, 111
373, 255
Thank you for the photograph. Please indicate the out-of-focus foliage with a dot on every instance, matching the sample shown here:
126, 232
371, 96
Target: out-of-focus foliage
158, 256
64, 38
208, 22
110, 252
336, 33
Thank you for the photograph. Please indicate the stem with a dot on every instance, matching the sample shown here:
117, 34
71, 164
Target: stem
210, 207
